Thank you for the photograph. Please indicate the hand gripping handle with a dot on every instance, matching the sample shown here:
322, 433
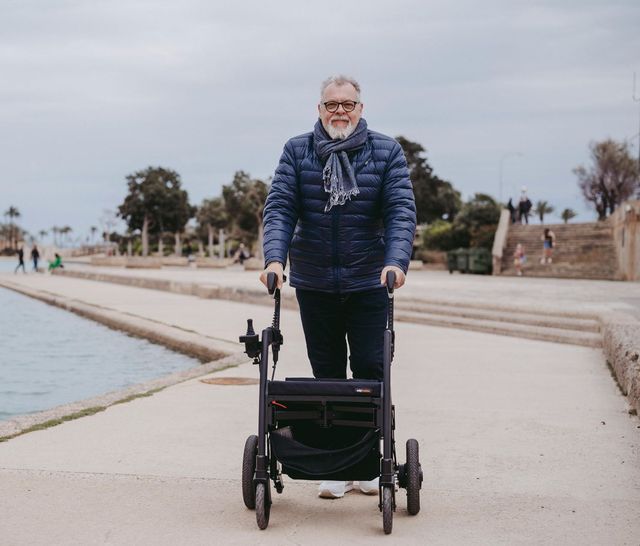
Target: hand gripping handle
272, 282
391, 281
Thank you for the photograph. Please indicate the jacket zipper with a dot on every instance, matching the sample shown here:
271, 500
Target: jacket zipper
336, 262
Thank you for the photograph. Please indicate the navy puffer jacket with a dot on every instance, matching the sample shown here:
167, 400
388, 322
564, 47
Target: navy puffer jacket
345, 249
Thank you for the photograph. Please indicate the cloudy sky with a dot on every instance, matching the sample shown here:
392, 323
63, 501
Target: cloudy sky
93, 90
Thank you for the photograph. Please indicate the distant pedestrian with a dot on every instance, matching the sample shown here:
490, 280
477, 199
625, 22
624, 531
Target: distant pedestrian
512, 210
20, 261
548, 244
241, 254
519, 259
524, 208
35, 256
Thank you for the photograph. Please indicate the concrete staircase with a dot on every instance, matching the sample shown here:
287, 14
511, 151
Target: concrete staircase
572, 328
584, 251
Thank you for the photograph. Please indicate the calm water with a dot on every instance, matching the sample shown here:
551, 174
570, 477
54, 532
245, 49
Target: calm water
49, 356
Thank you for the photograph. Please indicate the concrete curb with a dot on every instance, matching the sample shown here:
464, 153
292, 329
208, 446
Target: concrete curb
190, 343
207, 291
218, 355
621, 344
23, 423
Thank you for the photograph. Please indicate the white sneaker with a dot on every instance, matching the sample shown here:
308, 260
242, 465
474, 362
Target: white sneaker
369, 487
334, 490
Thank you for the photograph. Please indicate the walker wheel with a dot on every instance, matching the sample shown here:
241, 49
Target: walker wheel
248, 470
263, 504
387, 509
413, 477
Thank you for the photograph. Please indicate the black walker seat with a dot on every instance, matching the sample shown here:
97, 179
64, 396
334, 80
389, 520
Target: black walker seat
324, 429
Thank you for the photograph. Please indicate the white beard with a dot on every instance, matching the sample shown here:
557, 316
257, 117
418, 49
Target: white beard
339, 132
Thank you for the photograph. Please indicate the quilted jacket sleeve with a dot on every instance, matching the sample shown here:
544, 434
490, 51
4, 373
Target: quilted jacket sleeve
280, 214
399, 211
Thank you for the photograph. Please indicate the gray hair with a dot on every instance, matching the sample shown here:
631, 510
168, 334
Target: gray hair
340, 80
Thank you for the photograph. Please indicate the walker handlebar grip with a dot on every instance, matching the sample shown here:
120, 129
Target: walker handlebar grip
391, 281
272, 282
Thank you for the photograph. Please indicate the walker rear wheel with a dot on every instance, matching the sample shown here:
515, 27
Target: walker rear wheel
248, 470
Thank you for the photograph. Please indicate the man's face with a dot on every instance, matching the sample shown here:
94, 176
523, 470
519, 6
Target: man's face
339, 124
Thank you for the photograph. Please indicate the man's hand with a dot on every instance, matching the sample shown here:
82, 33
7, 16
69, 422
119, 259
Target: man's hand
273, 267
400, 276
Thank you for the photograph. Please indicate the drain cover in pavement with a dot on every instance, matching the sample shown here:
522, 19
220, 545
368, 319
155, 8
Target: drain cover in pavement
230, 381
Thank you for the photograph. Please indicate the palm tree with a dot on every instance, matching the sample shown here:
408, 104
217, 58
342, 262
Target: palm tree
567, 214
12, 212
43, 233
55, 230
93, 230
542, 208
65, 232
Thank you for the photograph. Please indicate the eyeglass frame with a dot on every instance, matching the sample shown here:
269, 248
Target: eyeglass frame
339, 104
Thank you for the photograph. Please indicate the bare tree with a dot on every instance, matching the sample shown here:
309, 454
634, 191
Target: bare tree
611, 179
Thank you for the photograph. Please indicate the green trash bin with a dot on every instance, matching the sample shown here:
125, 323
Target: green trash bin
452, 260
480, 261
462, 255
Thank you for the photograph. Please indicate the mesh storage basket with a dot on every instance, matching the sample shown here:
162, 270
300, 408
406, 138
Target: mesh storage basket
308, 451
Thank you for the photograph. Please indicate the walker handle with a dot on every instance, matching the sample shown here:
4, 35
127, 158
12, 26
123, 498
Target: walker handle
391, 281
272, 282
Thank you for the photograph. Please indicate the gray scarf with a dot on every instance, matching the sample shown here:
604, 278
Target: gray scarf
337, 175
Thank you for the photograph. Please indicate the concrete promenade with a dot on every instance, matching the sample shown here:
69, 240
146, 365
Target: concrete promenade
522, 442
551, 294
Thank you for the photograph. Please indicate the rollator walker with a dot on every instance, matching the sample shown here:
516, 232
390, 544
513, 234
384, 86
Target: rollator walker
324, 429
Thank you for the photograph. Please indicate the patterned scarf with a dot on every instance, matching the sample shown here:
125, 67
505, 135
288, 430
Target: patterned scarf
337, 175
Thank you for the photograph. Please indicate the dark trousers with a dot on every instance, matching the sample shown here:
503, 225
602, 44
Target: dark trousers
330, 320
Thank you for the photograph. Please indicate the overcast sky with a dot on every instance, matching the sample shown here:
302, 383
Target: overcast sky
91, 91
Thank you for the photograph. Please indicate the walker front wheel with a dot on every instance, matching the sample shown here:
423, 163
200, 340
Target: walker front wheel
413, 472
387, 510
248, 470
263, 505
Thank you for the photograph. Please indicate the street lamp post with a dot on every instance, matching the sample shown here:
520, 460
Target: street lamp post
502, 159
637, 99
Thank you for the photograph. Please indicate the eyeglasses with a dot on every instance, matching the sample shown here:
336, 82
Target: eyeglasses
347, 105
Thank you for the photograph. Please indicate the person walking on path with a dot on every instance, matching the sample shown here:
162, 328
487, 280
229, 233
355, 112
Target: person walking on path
548, 244
519, 259
20, 261
35, 256
341, 207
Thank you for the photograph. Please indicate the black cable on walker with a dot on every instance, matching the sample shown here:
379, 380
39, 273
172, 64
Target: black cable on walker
278, 340
391, 281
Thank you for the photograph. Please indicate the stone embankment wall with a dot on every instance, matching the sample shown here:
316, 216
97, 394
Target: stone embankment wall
621, 345
626, 234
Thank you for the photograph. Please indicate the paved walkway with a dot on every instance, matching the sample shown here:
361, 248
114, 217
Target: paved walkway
529, 292
522, 442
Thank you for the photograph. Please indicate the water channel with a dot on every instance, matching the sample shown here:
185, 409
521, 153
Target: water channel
49, 356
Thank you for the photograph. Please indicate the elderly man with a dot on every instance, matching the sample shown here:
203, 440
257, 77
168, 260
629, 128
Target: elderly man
341, 206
